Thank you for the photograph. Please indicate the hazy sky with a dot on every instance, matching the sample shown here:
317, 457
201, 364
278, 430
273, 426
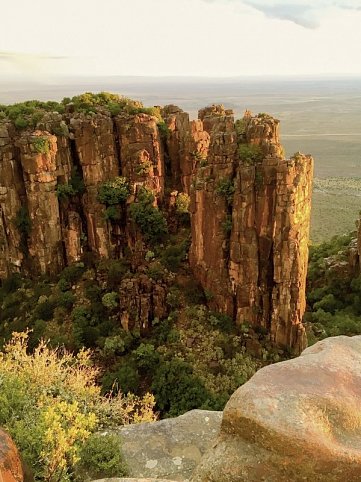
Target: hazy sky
179, 37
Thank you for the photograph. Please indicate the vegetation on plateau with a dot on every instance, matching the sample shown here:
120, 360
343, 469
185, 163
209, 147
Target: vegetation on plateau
30, 113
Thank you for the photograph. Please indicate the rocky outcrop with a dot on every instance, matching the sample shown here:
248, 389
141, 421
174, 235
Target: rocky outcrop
142, 299
141, 152
170, 448
250, 207
10, 464
293, 421
44, 237
187, 145
95, 155
250, 225
12, 193
210, 209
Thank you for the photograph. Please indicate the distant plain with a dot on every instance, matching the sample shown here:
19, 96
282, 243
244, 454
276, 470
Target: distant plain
320, 116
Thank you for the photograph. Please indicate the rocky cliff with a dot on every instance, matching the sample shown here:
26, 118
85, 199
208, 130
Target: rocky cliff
68, 186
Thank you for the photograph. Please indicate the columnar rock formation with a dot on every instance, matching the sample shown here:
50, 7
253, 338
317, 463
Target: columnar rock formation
250, 225
38, 161
12, 191
250, 207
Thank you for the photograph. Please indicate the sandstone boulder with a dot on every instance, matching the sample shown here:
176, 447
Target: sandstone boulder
10, 464
170, 448
298, 420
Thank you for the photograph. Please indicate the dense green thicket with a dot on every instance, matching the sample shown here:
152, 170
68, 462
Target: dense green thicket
149, 218
250, 154
333, 291
190, 359
28, 114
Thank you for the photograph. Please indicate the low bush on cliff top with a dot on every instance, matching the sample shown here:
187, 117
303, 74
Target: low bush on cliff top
28, 114
115, 104
51, 406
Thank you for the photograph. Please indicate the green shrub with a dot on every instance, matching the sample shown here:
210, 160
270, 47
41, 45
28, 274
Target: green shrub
225, 188
163, 130
174, 298
194, 293
45, 310
174, 255
100, 457
64, 191
23, 225
114, 192
156, 271
21, 123
74, 187
250, 154
76, 181
114, 108
50, 405
113, 213
41, 145
114, 345
150, 219
147, 357
11, 284
72, 273
66, 300
125, 378
240, 126
110, 300
177, 390
182, 203
144, 168
227, 225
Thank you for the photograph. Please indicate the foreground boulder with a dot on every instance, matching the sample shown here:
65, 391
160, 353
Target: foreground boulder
10, 464
298, 420
171, 448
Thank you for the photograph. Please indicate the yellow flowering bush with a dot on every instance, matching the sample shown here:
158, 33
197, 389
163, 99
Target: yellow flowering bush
51, 405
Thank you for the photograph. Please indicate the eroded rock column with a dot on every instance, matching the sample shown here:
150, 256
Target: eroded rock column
141, 153
95, 156
38, 159
211, 194
12, 192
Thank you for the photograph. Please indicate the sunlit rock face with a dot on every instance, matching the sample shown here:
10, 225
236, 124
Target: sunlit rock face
249, 210
10, 464
250, 225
